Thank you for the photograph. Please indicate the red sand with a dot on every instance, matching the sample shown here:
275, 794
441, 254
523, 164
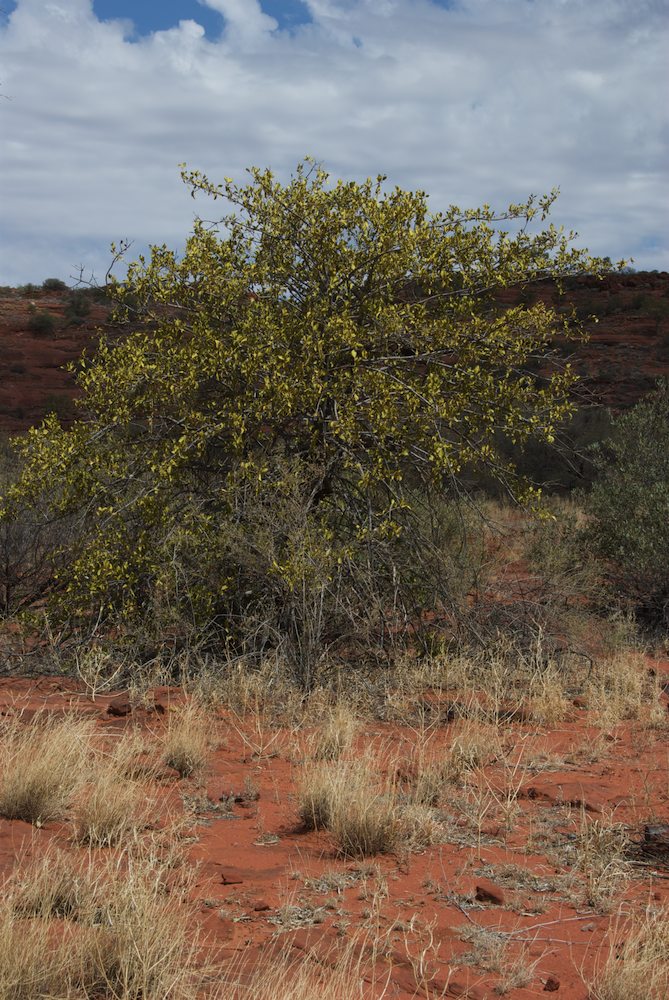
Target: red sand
262, 877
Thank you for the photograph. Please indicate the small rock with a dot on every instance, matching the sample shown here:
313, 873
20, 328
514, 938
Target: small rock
262, 907
488, 892
231, 878
552, 985
119, 707
656, 837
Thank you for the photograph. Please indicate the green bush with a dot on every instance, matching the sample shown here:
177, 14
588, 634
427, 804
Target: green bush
254, 454
42, 323
629, 504
78, 307
54, 285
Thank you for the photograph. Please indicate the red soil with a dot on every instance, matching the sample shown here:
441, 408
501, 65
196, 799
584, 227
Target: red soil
262, 878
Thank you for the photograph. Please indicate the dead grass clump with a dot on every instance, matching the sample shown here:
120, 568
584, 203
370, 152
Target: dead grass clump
186, 741
547, 700
147, 949
134, 755
636, 964
474, 745
364, 814
110, 810
433, 770
431, 779
319, 787
42, 764
33, 963
113, 806
244, 687
490, 951
602, 850
53, 885
335, 737
621, 689
118, 930
344, 799
418, 827
281, 977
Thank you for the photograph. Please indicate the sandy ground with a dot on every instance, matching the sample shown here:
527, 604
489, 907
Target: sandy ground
500, 898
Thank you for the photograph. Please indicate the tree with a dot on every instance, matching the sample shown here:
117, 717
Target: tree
343, 329
629, 503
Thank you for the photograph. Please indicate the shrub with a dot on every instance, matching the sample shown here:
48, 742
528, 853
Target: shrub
42, 323
77, 308
28, 547
629, 504
54, 285
341, 331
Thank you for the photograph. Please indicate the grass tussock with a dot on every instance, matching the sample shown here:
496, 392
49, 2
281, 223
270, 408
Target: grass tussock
110, 811
491, 951
186, 742
42, 764
602, 853
335, 736
636, 964
548, 703
363, 814
78, 930
621, 689
310, 979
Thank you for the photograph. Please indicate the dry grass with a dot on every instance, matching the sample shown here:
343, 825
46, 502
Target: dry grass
77, 930
547, 700
635, 966
602, 850
281, 977
345, 800
474, 745
52, 885
42, 765
431, 779
134, 754
433, 768
335, 737
621, 689
33, 964
186, 742
491, 951
98, 670
110, 810
363, 814
113, 806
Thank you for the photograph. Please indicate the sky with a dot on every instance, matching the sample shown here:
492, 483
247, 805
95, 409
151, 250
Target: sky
472, 101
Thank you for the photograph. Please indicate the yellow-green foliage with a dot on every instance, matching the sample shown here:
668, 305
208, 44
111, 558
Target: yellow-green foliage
345, 325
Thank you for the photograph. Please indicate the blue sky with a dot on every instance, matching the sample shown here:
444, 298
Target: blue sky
473, 101
156, 15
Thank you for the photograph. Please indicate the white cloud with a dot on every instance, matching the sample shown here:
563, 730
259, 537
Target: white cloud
246, 22
483, 100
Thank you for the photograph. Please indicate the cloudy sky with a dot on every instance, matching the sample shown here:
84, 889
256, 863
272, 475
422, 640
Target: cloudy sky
472, 100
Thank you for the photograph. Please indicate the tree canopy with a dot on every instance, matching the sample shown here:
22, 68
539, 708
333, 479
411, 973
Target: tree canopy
341, 325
